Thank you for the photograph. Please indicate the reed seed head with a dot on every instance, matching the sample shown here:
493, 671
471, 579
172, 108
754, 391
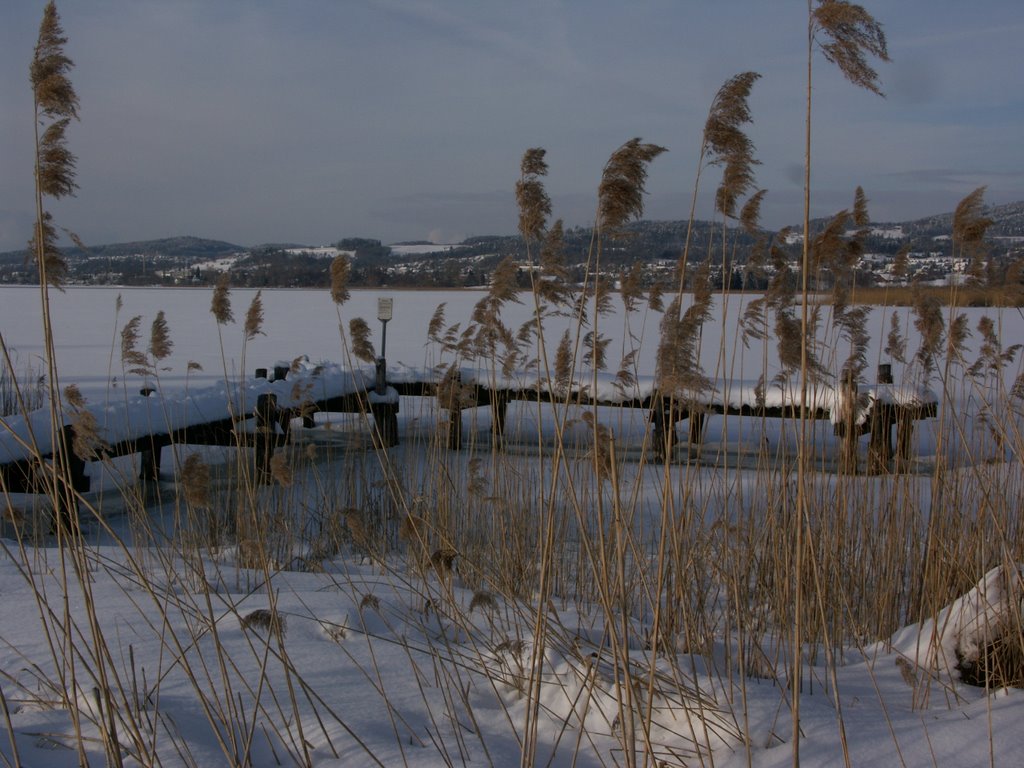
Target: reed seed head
195, 481
48, 73
969, 222
281, 470
851, 35
750, 214
362, 347
436, 324
621, 191
727, 144
160, 344
254, 317
531, 197
45, 253
341, 268
220, 304
129, 338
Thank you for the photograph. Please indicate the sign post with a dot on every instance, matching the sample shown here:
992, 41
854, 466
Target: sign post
385, 311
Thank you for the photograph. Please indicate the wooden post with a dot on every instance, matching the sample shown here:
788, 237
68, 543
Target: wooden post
695, 435
385, 424
846, 427
450, 397
904, 435
454, 428
71, 479
883, 416
663, 416
149, 460
75, 465
499, 412
265, 438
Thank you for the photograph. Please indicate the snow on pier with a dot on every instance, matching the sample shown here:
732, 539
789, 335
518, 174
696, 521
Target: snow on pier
259, 411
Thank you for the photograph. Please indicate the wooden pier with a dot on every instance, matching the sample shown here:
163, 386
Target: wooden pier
258, 414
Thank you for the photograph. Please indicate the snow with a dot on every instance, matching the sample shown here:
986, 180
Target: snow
376, 659
419, 249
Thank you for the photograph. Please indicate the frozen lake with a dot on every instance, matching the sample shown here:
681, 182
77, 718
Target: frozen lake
87, 330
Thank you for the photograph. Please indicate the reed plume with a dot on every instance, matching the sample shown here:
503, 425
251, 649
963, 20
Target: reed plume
254, 317
631, 287
341, 268
281, 470
48, 257
729, 110
750, 214
436, 324
362, 347
930, 326
220, 304
488, 330
195, 481
901, 261
969, 228
849, 35
531, 197
554, 285
726, 143
504, 287
621, 191
842, 254
56, 104
563, 364
87, 443
160, 344
956, 337
678, 370
131, 358
992, 358
895, 341
596, 350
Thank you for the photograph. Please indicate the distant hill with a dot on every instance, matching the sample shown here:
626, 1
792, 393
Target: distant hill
1007, 221
174, 247
171, 247
197, 261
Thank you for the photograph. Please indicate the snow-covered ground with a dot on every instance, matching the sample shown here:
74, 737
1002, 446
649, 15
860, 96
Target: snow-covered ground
331, 651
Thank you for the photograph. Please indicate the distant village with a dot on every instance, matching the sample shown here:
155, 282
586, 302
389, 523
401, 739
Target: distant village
927, 255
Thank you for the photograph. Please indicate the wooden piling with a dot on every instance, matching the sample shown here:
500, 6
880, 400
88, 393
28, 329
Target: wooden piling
499, 413
847, 428
149, 460
73, 462
695, 433
265, 436
665, 439
454, 429
882, 419
385, 424
904, 435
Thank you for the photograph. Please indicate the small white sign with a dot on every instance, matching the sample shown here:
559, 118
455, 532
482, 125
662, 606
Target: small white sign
385, 309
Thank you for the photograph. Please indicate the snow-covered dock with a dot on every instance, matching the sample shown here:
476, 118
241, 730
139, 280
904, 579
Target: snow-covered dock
259, 412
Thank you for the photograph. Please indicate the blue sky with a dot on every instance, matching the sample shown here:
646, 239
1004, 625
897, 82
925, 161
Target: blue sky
255, 121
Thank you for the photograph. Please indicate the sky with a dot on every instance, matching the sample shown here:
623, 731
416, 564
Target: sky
254, 121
